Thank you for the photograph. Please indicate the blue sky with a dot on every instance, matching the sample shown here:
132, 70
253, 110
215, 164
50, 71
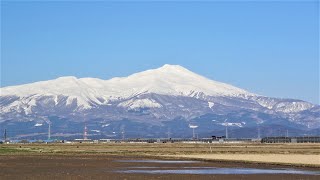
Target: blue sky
269, 48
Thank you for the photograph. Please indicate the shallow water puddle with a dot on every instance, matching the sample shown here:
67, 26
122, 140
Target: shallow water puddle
207, 170
202, 170
158, 161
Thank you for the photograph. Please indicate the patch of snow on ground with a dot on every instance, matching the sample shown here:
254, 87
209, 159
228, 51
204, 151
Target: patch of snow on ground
232, 124
140, 103
38, 124
210, 104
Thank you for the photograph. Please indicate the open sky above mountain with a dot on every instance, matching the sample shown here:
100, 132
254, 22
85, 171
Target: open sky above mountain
268, 48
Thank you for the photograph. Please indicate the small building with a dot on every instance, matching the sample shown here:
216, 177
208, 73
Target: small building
304, 139
83, 140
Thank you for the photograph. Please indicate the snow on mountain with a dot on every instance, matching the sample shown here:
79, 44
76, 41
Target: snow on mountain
140, 103
174, 80
290, 107
283, 105
199, 95
210, 104
166, 80
168, 97
233, 124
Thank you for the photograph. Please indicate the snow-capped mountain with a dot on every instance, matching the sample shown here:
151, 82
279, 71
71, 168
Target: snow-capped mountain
155, 97
167, 80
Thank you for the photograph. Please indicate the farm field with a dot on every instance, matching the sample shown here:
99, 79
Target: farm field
103, 161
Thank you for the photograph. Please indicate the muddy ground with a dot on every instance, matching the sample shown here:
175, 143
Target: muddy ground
95, 166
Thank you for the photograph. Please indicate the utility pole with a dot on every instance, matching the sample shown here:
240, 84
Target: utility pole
168, 133
123, 134
259, 135
287, 133
49, 130
85, 132
5, 135
227, 136
122, 129
226, 123
227, 131
193, 135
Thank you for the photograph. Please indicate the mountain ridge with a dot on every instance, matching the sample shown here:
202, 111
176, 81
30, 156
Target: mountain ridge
168, 79
153, 98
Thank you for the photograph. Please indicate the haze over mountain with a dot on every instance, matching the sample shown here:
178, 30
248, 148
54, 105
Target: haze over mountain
156, 100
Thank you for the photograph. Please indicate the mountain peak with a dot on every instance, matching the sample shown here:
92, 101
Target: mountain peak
165, 72
176, 80
173, 80
173, 68
67, 78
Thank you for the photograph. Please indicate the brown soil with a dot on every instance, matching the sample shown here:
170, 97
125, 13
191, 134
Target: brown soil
93, 166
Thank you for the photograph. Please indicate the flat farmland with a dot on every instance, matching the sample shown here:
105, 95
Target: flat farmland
306, 154
159, 161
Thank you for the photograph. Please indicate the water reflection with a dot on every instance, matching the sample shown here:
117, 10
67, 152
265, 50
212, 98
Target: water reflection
201, 170
157, 161
206, 170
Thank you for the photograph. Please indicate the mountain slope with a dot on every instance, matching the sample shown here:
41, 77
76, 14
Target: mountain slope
167, 80
153, 97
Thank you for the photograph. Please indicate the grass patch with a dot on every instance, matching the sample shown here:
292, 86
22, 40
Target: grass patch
6, 150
